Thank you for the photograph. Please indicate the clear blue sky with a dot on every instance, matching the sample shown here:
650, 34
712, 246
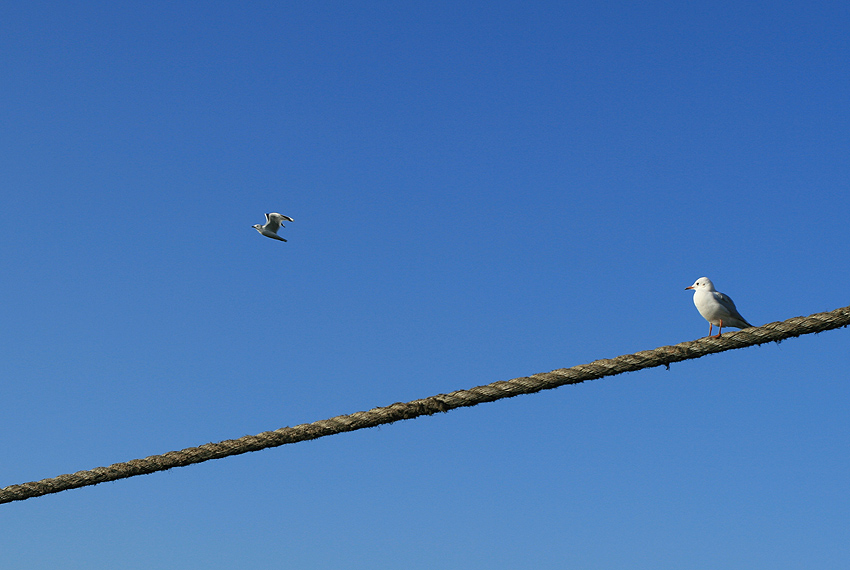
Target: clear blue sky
481, 190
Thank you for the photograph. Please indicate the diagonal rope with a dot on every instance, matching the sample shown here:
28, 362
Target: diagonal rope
662, 356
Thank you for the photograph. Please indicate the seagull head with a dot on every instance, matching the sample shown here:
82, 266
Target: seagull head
702, 283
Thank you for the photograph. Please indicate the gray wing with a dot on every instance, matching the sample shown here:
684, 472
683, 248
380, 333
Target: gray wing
272, 223
729, 305
278, 218
269, 234
726, 301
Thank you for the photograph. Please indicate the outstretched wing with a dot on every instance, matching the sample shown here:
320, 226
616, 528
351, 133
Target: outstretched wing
278, 218
272, 222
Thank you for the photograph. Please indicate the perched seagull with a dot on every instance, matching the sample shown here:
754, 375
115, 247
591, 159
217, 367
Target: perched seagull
717, 308
273, 223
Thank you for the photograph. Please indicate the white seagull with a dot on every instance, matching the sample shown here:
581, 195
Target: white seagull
273, 223
717, 308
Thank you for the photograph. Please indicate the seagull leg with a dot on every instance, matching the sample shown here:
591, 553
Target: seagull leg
720, 329
710, 328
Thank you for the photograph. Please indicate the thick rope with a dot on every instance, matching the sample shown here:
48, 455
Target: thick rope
662, 356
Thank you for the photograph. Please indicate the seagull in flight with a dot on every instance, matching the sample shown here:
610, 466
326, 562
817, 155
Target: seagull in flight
715, 307
273, 223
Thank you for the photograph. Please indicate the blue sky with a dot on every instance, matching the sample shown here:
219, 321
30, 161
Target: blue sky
481, 190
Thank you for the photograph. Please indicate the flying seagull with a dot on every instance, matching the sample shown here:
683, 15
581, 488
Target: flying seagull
717, 308
273, 223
